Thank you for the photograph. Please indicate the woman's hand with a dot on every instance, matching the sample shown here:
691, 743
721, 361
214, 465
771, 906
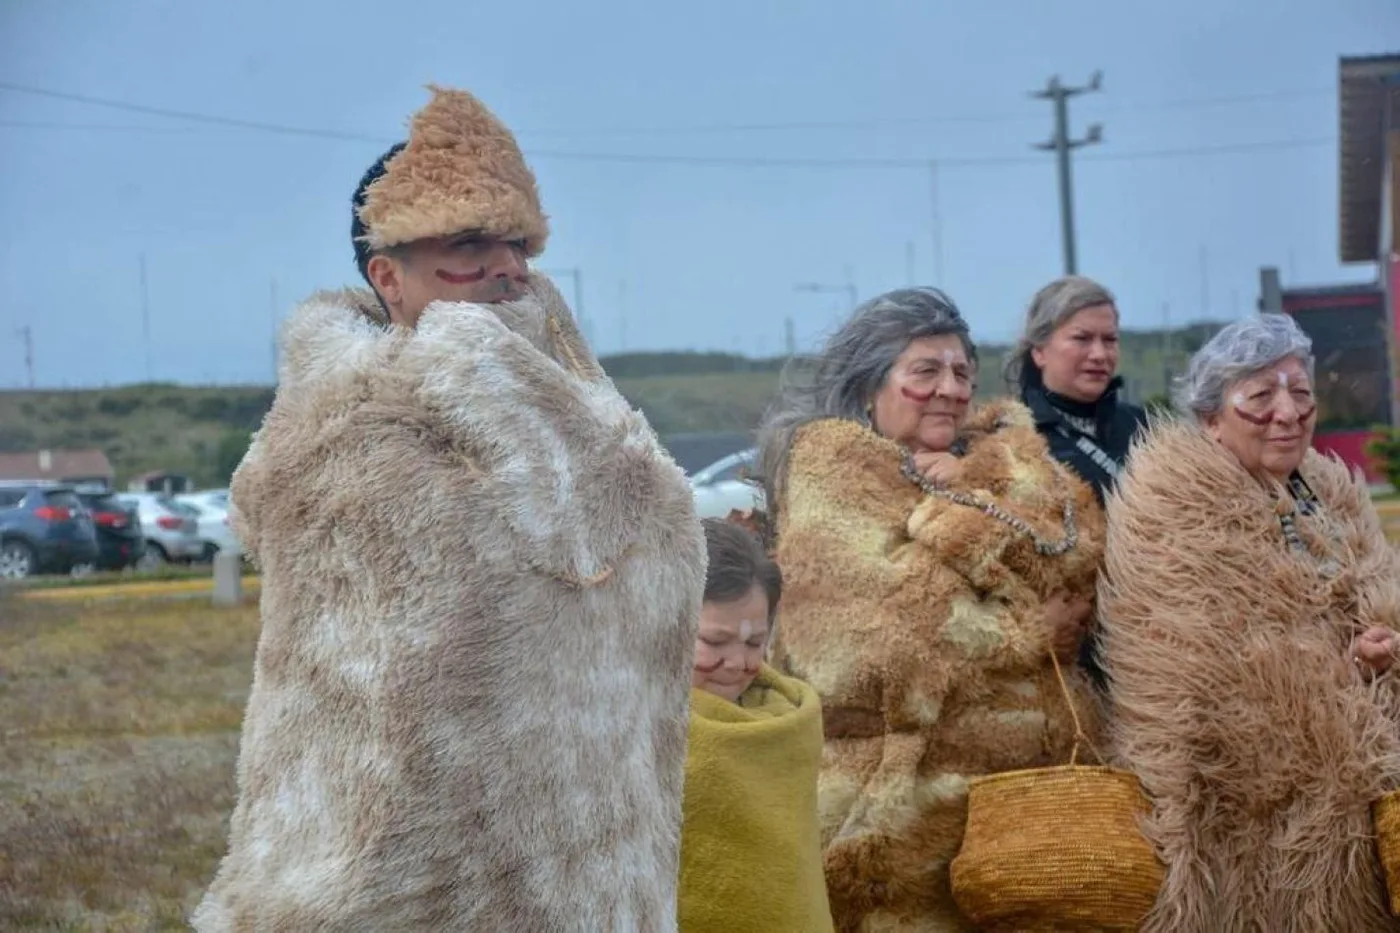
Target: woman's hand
1374, 650
1067, 619
939, 467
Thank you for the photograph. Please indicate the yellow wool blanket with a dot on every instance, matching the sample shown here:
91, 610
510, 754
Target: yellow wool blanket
751, 859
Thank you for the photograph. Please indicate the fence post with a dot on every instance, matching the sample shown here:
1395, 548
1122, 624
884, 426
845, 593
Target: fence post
228, 578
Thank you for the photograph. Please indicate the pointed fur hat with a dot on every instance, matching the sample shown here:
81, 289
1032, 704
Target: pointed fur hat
461, 170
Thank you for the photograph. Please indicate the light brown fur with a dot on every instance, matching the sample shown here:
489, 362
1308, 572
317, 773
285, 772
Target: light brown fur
481, 580
920, 623
1257, 739
461, 170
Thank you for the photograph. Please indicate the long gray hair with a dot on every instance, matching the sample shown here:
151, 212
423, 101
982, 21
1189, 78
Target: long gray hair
842, 381
1051, 307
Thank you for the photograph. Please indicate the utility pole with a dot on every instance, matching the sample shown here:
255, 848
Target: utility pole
622, 315
146, 318
27, 333
1062, 145
1167, 348
849, 289
789, 337
1205, 285
935, 214
272, 308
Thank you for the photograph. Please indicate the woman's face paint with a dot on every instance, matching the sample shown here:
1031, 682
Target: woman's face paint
730, 644
1269, 421
925, 397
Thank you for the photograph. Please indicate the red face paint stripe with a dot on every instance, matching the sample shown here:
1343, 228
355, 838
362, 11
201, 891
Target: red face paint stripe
920, 397
711, 669
462, 279
1255, 419
1303, 415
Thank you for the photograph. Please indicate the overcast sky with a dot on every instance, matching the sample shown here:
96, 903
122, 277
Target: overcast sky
1219, 156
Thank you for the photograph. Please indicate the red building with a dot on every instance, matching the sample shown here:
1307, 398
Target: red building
1356, 328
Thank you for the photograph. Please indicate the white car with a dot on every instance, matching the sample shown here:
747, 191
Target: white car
172, 534
727, 485
210, 512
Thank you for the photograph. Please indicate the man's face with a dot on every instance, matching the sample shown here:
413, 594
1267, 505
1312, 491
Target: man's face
469, 267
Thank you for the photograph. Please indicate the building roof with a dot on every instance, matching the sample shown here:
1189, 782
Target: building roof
1368, 89
55, 465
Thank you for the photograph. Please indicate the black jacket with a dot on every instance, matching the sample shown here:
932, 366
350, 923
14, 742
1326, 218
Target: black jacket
1117, 424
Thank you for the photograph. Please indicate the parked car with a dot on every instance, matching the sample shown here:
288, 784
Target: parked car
215, 497
210, 511
727, 485
172, 535
44, 528
120, 542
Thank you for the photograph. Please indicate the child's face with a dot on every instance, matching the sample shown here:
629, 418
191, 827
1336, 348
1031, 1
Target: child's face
730, 645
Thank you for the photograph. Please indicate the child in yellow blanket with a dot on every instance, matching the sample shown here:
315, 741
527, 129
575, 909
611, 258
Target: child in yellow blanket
750, 845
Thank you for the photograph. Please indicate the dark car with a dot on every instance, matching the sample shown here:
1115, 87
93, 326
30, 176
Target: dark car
44, 528
120, 542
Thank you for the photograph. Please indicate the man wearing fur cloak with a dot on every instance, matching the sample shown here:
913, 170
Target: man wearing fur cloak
481, 579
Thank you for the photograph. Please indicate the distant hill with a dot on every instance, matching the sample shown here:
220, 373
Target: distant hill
200, 430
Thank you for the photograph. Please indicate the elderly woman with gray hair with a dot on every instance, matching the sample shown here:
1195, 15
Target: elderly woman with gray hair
934, 556
1065, 370
1250, 603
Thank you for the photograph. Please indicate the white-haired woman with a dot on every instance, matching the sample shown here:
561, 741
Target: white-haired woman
934, 559
1065, 369
1250, 604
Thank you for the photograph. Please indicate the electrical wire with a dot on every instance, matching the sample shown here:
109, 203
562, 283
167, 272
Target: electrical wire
641, 158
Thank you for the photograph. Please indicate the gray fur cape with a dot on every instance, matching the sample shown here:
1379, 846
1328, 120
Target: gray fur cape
481, 579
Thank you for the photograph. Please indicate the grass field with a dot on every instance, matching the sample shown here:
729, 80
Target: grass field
120, 728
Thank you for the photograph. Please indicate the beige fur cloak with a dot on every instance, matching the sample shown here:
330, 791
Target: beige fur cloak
481, 580
1259, 742
920, 623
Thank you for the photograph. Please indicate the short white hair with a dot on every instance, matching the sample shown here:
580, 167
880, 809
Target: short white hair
1239, 351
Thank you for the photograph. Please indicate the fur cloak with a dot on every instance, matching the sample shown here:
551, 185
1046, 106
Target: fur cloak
481, 580
1259, 742
751, 855
920, 624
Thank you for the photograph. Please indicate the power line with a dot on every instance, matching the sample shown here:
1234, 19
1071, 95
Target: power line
973, 118
191, 116
286, 129
783, 162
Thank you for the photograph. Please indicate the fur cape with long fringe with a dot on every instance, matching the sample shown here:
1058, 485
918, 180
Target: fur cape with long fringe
1257, 739
481, 581
920, 622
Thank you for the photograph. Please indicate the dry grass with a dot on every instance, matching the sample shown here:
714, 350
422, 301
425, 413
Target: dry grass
118, 734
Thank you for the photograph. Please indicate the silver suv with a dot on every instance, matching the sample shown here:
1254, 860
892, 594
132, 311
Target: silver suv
172, 535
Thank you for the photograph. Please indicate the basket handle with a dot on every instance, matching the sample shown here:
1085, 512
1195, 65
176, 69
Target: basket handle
1079, 736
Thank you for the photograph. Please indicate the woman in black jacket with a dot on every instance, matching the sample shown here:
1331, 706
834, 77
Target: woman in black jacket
1065, 368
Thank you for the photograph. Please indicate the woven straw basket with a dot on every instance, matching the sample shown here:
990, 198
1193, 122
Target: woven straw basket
1386, 814
1056, 848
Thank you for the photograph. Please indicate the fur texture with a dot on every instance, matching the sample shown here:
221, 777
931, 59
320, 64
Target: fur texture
751, 855
920, 624
482, 577
461, 170
1258, 740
